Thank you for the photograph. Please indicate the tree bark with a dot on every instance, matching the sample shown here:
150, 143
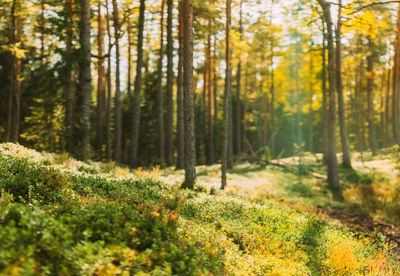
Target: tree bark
108, 78
342, 118
170, 86
84, 87
180, 118
333, 174
370, 97
117, 96
395, 85
190, 143
138, 87
100, 84
160, 97
324, 113
238, 112
211, 157
225, 154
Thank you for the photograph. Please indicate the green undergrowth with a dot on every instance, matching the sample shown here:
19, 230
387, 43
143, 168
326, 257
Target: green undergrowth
81, 222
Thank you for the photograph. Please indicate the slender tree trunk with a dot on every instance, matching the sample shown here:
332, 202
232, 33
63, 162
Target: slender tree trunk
225, 154
324, 114
245, 101
129, 33
117, 96
170, 86
84, 86
180, 118
310, 103
12, 72
210, 139
138, 87
160, 97
100, 84
238, 112
342, 118
272, 91
108, 77
215, 90
190, 143
370, 97
395, 85
42, 34
386, 122
17, 84
333, 174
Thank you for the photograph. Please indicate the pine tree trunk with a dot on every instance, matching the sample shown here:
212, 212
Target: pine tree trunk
238, 112
387, 99
310, 103
100, 84
84, 87
117, 96
108, 78
324, 113
170, 86
138, 87
225, 148
370, 97
210, 139
11, 93
342, 117
190, 143
129, 33
160, 97
395, 85
179, 98
333, 174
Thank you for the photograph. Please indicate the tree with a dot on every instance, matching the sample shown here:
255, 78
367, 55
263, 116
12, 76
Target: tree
395, 84
117, 96
84, 86
100, 83
160, 97
333, 174
179, 97
225, 157
190, 145
342, 121
138, 87
170, 85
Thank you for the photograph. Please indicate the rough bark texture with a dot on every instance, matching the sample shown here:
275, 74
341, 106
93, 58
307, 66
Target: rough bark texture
333, 175
238, 112
225, 157
395, 85
170, 86
179, 97
100, 84
117, 96
344, 138
12, 71
138, 87
84, 87
160, 97
210, 139
190, 145
370, 97
324, 113
108, 78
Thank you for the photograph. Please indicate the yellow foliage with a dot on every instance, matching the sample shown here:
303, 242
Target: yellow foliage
341, 259
377, 266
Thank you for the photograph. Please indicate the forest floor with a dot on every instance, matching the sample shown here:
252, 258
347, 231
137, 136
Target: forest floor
58, 214
371, 189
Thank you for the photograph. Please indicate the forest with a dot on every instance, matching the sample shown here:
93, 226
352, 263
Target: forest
199, 137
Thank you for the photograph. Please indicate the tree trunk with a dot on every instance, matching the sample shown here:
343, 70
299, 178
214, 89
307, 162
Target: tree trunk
179, 98
190, 143
170, 86
333, 174
12, 72
310, 103
117, 96
395, 85
160, 98
225, 147
386, 119
84, 87
108, 78
100, 84
210, 139
324, 114
17, 84
370, 97
342, 119
129, 33
238, 112
138, 87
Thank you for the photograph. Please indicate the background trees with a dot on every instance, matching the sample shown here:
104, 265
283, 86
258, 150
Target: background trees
275, 68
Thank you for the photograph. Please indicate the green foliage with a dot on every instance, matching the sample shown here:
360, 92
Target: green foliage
54, 222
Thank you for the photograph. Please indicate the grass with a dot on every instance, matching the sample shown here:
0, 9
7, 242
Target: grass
62, 216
